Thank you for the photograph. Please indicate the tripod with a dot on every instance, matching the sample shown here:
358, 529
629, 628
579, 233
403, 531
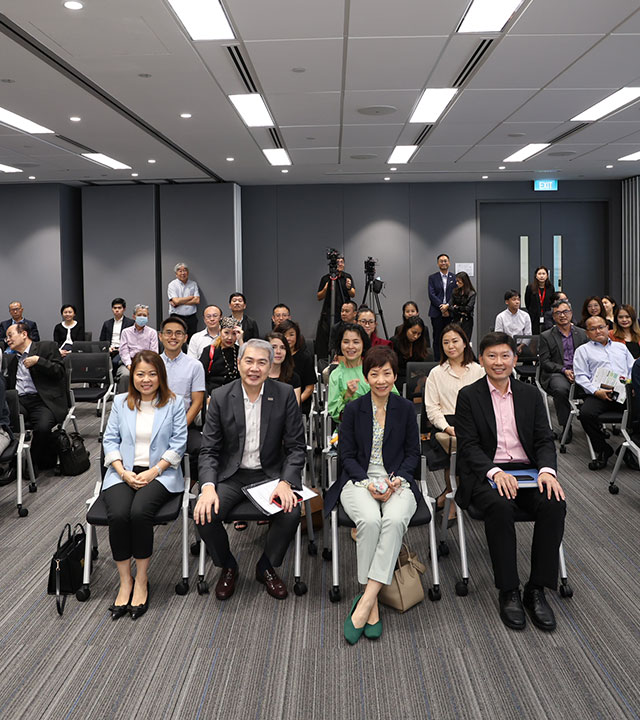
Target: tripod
374, 300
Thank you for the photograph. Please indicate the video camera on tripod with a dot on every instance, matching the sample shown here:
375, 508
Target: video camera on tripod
375, 284
332, 256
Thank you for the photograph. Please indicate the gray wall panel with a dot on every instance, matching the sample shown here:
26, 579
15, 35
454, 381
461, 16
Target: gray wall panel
71, 248
118, 228
196, 227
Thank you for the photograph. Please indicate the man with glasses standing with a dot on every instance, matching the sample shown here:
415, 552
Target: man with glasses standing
599, 352
185, 377
556, 349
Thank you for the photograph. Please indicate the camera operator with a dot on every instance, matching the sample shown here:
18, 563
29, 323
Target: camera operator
344, 291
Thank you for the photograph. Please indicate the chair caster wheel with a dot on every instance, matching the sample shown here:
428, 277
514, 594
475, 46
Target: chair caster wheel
566, 591
563, 450
615, 430
33, 487
326, 554
203, 587
443, 549
462, 588
312, 549
614, 489
334, 594
94, 553
299, 588
434, 593
195, 549
182, 588
83, 594
22, 511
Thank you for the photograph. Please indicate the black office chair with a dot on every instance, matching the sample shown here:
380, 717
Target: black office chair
628, 444
528, 361
19, 449
93, 371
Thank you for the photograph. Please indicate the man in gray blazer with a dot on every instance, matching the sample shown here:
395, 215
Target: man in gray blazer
253, 433
556, 350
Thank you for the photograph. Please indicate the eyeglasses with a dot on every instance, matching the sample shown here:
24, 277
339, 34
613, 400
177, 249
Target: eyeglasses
367, 322
170, 333
562, 312
595, 328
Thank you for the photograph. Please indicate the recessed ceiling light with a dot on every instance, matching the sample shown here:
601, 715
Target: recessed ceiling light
32, 177
516, 134
485, 177
387, 178
609, 104
526, 152
284, 171
203, 19
298, 69
73, 5
363, 156
278, 156
103, 159
75, 118
377, 110
432, 104
393, 169
488, 15
151, 161
633, 156
145, 75
21, 123
8, 81
608, 167
230, 159
502, 167
9, 169
186, 116
134, 174
402, 154
252, 109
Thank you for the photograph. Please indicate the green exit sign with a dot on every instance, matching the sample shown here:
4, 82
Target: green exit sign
545, 184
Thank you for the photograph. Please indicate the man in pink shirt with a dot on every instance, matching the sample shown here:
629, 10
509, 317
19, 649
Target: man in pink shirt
501, 426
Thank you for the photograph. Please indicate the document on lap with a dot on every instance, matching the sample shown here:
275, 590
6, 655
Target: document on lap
525, 478
610, 380
259, 494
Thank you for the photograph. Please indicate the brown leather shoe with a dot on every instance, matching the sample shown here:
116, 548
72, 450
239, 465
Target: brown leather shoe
226, 583
275, 587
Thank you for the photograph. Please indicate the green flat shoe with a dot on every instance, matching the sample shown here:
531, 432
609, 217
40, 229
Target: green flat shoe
351, 633
374, 631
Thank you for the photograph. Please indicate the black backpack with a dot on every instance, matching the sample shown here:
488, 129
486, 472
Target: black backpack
74, 458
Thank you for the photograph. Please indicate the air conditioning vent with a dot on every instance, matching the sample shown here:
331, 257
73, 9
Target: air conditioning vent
473, 63
275, 138
74, 144
242, 67
572, 131
420, 139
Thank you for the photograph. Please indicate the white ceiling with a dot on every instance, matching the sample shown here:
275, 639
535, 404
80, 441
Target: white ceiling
553, 61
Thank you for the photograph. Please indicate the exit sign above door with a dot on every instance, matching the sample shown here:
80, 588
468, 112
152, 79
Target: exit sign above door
545, 184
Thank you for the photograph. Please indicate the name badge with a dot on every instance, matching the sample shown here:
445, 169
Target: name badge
541, 320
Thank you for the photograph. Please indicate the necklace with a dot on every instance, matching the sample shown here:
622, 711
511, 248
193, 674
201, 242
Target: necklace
232, 372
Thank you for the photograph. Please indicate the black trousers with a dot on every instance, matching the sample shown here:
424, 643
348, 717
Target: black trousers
194, 440
590, 412
559, 388
282, 527
130, 515
42, 420
438, 324
500, 531
192, 325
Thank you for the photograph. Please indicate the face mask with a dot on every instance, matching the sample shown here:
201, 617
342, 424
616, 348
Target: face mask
141, 320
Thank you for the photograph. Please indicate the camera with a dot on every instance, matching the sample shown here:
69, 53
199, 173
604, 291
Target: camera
332, 256
370, 275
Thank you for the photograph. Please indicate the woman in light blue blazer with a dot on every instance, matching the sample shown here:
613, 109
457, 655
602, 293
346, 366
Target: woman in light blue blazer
143, 444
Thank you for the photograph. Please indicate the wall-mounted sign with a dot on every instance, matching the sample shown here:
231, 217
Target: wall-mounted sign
545, 184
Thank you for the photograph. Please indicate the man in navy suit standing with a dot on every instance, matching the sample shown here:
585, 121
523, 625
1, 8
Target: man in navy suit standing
441, 286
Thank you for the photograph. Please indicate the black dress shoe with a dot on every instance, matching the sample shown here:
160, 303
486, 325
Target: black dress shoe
275, 587
539, 609
226, 583
511, 610
137, 611
602, 458
117, 611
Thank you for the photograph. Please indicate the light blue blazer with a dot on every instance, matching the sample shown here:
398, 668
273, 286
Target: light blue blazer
168, 441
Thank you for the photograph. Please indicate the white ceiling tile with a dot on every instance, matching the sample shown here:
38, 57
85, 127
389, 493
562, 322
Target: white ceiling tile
403, 100
439, 153
533, 132
458, 133
606, 132
277, 19
370, 135
274, 61
298, 136
314, 156
555, 105
632, 25
404, 18
305, 108
573, 17
395, 64
484, 106
530, 61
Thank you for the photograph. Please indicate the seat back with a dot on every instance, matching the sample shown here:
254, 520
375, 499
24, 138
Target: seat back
100, 346
83, 346
13, 403
90, 367
417, 373
310, 346
88, 334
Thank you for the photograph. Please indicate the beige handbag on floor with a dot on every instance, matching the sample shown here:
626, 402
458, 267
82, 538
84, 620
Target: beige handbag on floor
405, 589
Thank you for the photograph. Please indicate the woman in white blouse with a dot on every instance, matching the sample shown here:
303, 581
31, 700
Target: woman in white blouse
144, 442
69, 330
456, 370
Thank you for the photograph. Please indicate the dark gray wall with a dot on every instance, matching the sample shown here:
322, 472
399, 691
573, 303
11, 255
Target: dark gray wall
71, 248
119, 239
196, 227
30, 248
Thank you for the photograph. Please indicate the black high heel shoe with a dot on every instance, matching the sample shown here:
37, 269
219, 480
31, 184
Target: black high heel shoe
117, 611
137, 611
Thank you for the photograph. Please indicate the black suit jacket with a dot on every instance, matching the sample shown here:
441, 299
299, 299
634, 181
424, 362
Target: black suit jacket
437, 296
282, 441
400, 444
32, 329
475, 425
107, 327
249, 328
551, 352
48, 374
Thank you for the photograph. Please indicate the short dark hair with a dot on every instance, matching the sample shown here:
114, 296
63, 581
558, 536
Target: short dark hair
66, 305
556, 304
277, 305
353, 304
238, 294
354, 327
443, 255
21, 327
119, 301
511, 294
497, 338
406, 305
284, 327
173, 319
364, 309
379, 356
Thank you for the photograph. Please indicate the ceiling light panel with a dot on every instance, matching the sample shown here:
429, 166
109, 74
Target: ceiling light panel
252, 109
526, 152
102, 159
9, 169
402, 154
488, 15
21, 123
432, 104
610, 104
633, 156
203, 19
277, 157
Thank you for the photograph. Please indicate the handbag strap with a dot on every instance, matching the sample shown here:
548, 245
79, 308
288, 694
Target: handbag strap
79, 533
67, 527
60, 599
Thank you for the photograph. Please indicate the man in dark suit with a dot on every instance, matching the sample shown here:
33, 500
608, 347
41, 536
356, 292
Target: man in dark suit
36, 371
253, 433
501, 426
556, 350
16, 311
237, 305
119, 321
441, 286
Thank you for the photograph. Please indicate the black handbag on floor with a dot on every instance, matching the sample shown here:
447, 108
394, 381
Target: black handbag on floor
73, 456
67, 565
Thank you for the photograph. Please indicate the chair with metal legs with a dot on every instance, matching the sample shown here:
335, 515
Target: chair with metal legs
628, 444
19, 449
